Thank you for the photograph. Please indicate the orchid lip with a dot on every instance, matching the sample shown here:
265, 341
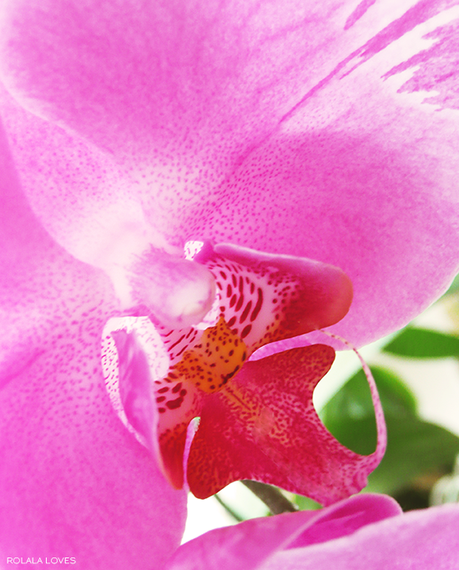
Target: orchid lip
160, 377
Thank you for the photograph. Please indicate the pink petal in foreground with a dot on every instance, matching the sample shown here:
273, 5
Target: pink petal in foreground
364, 532
145, 77
263, 426
421, 540
247, 545
73, 481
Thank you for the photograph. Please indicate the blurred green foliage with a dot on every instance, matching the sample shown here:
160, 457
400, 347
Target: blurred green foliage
454, 287
422, 343
415, 448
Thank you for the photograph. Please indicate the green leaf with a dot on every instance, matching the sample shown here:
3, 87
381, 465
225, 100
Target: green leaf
454, 287
414, 447
423, 343
306, 504
353, 403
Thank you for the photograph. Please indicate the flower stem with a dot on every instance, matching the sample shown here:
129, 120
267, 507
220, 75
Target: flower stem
229, 509
271, 497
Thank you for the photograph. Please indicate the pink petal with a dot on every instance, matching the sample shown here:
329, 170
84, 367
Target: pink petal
145, 77
63, 179
247, 545
73, 481
346, 517
34, 270
280, 129
421, 539
263, 426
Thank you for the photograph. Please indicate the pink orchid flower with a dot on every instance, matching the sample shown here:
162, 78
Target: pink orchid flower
365, 531
295, 129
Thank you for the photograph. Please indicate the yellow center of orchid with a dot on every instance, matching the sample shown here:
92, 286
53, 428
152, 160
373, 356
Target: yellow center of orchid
215, 359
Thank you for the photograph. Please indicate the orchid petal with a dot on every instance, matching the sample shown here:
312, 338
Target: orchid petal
74, 482
418, 539
366, 531
302, 105
68, 177
249, 544
263, 426
145, 75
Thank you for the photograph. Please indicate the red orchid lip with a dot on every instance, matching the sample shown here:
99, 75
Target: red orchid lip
257, 419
